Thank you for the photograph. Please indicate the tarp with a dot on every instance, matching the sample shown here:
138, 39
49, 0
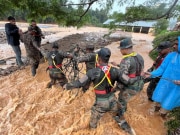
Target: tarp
167, 93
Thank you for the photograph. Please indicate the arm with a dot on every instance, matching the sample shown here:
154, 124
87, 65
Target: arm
160, 70
76, 84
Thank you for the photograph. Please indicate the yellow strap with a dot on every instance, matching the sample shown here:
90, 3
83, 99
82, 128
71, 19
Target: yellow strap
57, 66
45, 59
129, 55
105, 76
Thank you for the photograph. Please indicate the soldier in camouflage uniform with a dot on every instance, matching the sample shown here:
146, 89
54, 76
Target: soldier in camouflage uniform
90, 60
131, 65
103, 78
32, 51
55, 59
37, 33
163, 49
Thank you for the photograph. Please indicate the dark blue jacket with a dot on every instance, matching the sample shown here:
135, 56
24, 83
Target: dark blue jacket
12, 34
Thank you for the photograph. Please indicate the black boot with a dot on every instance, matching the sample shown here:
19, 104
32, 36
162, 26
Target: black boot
124, 125
33, 71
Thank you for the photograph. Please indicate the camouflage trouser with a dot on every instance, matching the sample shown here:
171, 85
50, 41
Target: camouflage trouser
126, 94
56, 75
100, 107
34, 60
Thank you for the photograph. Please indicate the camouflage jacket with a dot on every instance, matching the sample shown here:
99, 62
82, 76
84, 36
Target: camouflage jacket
132, 66
95, 75
30, 44
55, 58
89, 59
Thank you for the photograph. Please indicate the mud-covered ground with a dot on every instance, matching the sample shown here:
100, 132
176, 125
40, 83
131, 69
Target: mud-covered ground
27, 107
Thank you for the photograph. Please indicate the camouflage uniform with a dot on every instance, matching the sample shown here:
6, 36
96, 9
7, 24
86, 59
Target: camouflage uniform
132, 65
55, 59
31, 50
105, 98
90, 61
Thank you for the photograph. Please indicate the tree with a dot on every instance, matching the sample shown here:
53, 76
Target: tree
69, 13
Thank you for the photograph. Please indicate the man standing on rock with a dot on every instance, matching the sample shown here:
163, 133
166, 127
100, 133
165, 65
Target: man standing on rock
131, 65
13, 37
90, 59
103, 78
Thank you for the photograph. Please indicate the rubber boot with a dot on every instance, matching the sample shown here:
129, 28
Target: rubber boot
33, 71
124, 125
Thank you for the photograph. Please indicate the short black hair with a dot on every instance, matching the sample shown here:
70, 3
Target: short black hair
10, 18
33, 20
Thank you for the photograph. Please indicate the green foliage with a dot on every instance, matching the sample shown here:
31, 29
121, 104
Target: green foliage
168, 36
161, 26
174, 120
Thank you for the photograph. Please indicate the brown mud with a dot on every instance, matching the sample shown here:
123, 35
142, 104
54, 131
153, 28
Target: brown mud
28, 108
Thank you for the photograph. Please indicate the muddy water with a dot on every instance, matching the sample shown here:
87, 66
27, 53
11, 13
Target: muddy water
28, 108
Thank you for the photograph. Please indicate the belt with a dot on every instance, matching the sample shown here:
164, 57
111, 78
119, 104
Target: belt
132, 75
101, 92
57, 66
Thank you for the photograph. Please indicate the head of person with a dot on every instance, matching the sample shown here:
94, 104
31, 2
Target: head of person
164, 47
55, 46
12, 20
175, 44
103, 55
33, 23
126, 46
89, 48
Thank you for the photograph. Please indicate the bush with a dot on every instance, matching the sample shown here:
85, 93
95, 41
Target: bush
168, 36
174, 122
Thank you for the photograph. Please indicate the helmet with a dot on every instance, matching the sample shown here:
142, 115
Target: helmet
126, 43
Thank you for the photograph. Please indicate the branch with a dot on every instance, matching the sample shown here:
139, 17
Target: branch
90, 3
167, 14
80, 4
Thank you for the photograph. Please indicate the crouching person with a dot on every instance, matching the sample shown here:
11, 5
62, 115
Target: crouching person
55, 58
103, 78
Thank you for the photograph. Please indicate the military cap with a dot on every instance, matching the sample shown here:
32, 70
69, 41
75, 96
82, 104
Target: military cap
55, 45
125, 43
104, 53
89, 46
163, 45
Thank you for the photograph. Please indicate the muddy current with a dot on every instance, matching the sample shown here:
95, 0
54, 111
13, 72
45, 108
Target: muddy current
27, 107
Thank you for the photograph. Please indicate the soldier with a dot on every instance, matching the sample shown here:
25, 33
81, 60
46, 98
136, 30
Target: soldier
103, 78
166, 93
55, 59
37, 33
163, 49
131, 65
32, 51
90, 59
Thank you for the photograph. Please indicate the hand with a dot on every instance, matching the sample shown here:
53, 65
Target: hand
146, 74
20, 31
114, 63
177, 82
